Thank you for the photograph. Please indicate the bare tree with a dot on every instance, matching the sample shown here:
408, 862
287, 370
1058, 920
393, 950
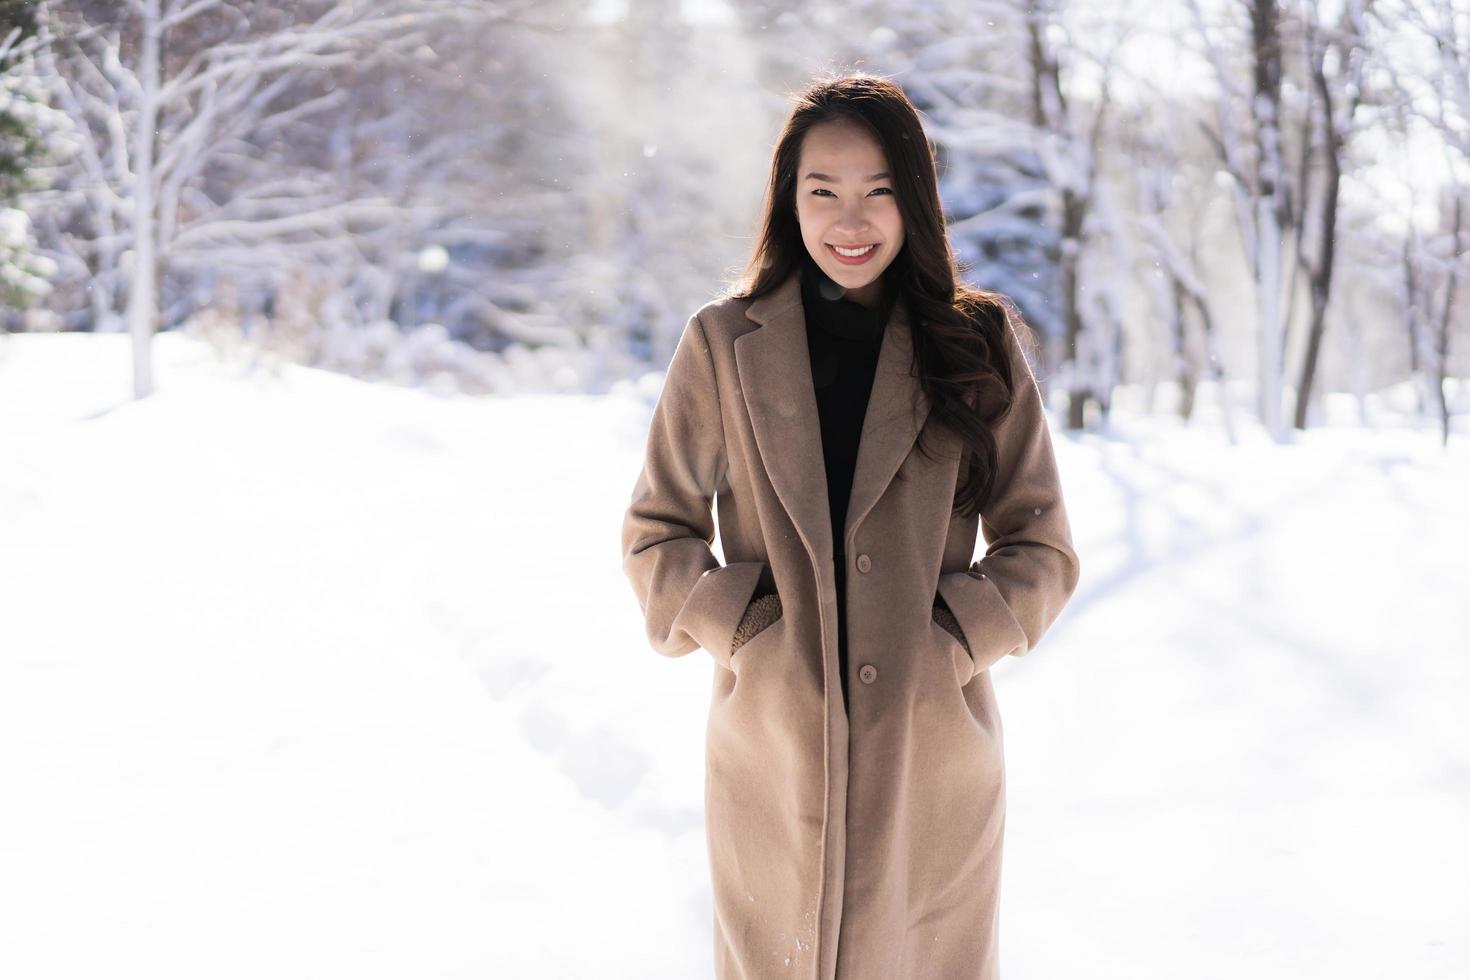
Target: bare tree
1336, 59
1435, 261
1247, 137
1072, 133
159, 90
1175, 282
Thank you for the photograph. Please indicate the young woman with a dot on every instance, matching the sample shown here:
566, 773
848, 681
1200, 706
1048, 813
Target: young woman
859, 415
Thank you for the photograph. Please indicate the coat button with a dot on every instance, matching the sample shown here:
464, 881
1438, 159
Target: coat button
868, 673
864, 563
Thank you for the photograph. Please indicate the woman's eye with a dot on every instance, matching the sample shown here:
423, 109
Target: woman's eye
823, 190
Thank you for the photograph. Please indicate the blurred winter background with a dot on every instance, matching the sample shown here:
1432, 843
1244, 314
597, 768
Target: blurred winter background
328, 340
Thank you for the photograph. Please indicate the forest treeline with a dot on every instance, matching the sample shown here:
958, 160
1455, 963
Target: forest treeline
1198, 197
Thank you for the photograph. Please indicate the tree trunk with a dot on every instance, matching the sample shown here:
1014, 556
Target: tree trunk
143, 291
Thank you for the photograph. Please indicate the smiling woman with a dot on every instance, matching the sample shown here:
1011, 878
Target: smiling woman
861, 416
849, 217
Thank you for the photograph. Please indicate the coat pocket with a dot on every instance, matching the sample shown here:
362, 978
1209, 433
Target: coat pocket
713, 608
943, 621
949, 624
991, 629
759, 616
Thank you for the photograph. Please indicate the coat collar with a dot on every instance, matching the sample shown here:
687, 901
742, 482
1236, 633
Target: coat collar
776, 381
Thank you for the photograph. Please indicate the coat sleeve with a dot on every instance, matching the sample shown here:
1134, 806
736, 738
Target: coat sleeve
688, 598
1006, 601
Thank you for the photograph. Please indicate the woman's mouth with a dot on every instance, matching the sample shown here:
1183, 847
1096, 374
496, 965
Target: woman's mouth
852, 256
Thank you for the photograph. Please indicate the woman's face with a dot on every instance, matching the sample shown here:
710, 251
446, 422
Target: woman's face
844, 198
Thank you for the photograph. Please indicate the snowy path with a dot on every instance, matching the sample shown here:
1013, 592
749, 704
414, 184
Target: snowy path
306, 677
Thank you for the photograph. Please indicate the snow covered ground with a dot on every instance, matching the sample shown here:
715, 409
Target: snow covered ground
304, 677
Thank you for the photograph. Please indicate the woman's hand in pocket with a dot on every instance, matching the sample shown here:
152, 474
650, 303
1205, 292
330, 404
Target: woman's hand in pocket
946, 620
761, 613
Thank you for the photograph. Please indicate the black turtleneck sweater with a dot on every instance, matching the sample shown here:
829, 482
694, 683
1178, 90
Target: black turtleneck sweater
843, 338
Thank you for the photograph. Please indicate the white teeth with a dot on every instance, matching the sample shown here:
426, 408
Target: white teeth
853, 253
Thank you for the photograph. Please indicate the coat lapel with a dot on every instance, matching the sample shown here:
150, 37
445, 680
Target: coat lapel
774, 364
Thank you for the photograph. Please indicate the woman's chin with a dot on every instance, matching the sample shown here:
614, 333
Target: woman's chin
851, 279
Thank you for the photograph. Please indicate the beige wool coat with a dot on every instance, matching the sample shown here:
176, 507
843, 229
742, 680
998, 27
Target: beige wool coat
861, 840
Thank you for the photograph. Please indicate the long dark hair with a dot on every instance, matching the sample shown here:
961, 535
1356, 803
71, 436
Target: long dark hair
959, 331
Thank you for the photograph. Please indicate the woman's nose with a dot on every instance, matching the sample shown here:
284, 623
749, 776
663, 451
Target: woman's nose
852, 218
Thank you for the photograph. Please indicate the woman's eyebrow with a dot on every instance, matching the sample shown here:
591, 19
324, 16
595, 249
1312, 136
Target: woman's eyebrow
813, 175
